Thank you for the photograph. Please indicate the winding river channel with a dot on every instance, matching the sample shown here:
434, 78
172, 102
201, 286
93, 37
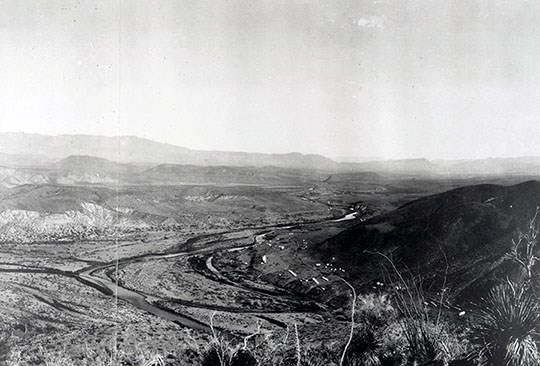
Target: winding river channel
89, 277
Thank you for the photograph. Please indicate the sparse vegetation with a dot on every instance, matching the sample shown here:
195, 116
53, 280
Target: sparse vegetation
507, 328
396, 322
524, 251
508, 318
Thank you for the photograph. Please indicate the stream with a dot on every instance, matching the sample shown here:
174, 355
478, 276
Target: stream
108, 287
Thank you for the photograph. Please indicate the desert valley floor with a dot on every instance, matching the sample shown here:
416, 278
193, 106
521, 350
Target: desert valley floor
94, 270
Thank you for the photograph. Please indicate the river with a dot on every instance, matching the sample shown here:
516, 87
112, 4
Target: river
106, 286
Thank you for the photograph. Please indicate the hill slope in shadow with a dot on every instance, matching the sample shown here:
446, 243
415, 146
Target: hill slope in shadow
469, 228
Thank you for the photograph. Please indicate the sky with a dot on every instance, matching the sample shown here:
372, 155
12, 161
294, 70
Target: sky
392, 79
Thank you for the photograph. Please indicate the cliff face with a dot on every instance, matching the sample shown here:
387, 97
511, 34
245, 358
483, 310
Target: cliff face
10, 178
91, 221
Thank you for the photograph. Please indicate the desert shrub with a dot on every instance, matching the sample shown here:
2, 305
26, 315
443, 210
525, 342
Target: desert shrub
445, 342
223, 353
506, 331
371, 346
270, 350
421, 330
83, 355
375, 310
393, 348
310, 357
364, 348
426, 335
229, 357
215, 355
523, 251
154, 360
5, 347
288, 349
243, 357
423, 339
44, 357
378, 337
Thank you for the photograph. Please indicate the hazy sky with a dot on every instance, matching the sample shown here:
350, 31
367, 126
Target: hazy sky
399, 79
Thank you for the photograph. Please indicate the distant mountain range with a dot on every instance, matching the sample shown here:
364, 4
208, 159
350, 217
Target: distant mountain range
128, 154
130, 149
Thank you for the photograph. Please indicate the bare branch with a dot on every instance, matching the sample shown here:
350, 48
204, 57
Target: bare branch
258, 331
353, 307
526, 257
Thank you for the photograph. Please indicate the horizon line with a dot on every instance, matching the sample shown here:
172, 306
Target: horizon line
335, 158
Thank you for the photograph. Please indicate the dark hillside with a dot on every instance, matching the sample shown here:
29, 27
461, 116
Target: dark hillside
472, 226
